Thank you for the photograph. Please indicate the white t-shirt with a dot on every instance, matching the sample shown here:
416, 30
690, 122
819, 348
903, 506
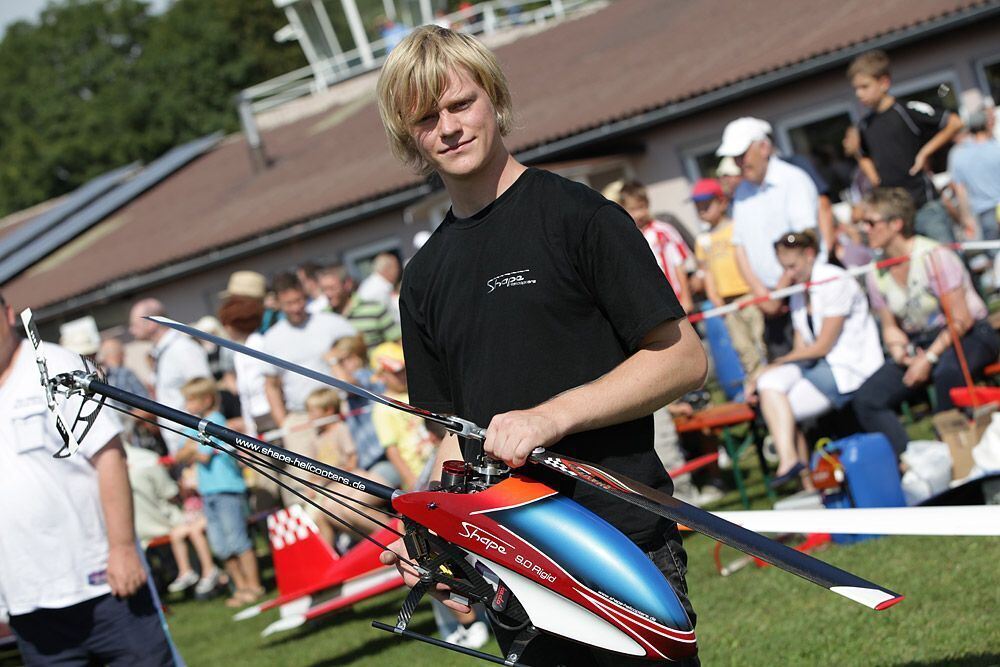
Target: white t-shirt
53, 543
250, 384
787, 201
306, 346
857, 354
376, 288
318, 304
179, 358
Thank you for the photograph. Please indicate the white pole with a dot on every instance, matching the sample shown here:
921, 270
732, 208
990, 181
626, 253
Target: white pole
358, 32
426, 13
390, 9
331, 37
308, 48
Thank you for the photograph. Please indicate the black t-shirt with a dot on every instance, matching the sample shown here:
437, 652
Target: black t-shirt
549, 287
892, 140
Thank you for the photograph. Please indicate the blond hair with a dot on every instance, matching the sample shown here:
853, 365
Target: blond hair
199, 388
415, 77
352, 345
326, 400
871, 63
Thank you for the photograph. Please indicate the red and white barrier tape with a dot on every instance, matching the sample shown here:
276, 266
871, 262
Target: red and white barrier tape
975, 520
852, 272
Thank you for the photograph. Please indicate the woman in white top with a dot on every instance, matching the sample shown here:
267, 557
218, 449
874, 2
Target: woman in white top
836, 349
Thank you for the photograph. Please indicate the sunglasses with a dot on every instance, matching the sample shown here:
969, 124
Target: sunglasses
870, 222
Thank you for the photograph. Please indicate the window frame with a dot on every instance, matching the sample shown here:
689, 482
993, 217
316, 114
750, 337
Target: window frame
784, 124
689, 152
947, 75
980, 65
353, 256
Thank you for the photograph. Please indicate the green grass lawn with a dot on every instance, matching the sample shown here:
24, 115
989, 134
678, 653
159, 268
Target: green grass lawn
754, 617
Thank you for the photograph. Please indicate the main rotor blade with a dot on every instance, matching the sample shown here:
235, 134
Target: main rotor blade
453, 424
812, 569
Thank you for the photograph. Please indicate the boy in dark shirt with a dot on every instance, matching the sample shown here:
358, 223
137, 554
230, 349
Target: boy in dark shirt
536, 306
898, 138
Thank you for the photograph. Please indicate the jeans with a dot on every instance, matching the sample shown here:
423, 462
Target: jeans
550, 651
226, 524
989, 224
933, 221
877, 401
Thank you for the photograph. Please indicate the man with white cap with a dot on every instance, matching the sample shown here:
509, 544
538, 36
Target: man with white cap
774, 198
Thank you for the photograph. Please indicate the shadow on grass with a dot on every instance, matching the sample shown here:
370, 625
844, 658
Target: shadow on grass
978, 660
375, 646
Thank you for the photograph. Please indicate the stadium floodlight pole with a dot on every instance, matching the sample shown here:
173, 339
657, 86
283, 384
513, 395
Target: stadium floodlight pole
652, 500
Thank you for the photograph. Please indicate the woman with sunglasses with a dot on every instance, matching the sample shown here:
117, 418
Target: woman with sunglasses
836, 349
914, 300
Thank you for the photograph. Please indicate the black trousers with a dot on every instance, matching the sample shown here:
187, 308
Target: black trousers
106, 630
877, 401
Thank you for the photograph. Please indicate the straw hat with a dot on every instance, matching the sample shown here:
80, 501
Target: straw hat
245, 283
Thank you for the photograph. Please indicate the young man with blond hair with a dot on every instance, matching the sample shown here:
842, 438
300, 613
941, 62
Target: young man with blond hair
536, 306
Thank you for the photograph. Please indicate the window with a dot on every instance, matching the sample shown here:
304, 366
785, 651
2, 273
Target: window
596, 172
700, 160
818, 135
358, 261
989, 77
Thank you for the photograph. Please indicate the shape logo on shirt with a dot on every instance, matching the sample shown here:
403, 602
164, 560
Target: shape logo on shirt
510, 279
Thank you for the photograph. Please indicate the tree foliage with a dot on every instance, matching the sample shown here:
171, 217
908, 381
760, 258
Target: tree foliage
99, 83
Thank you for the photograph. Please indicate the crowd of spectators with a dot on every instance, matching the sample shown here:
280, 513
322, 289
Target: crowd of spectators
767, 223
843, 344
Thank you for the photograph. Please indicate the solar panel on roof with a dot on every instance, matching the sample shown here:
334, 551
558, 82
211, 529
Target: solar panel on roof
73, 202
61, 231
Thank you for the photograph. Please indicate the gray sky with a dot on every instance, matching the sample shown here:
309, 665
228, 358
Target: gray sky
28, 10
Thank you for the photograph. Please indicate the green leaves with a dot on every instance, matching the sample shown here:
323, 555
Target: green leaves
100, 83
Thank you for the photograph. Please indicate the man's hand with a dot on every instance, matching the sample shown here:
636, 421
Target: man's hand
512, 436
410, 576
919, 370
919, 162
125, 572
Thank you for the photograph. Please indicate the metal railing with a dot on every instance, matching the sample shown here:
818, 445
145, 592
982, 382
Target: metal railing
486, 18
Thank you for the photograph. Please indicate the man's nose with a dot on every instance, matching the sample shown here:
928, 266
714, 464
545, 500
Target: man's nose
449, 124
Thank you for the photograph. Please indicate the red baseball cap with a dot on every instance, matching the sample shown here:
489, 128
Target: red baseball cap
705, 189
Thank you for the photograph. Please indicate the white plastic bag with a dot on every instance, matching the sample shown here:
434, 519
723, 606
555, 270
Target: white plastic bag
987, 453
928, 472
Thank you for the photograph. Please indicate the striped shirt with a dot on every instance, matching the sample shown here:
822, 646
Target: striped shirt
670, 250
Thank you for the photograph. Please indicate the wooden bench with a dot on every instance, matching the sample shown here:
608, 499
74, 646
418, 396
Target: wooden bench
720, 420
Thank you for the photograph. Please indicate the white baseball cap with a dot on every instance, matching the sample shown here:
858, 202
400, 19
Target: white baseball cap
740, 133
